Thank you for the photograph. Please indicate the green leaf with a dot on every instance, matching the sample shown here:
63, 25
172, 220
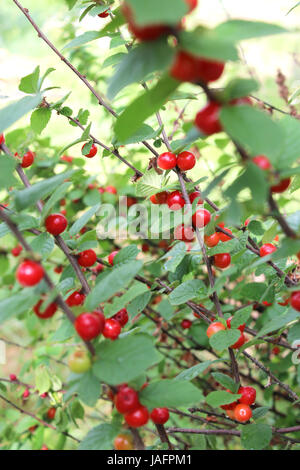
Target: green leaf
29, 196
256, 436
16, 304
193, 372
42, 380
253, 129
100, 438
278, 322
58, 194
119, 277
226, 381
260, 412
170, 393
206, 43
254, 290
253, 178
136, 290
157, 12
150, 183
43, 244
241, 316
256, 227
174, 256
39, 119
290, 152
186, 291
84, 38
223, 339
239, 88
128, 253
238, 30
138, 304
123, 360
221, 397
145, 132
30, 83
7, 168
82, 221
77, 410
138, 63
14, 111
89, 388
144, 106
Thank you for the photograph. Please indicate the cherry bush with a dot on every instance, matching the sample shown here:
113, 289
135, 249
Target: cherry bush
177, 329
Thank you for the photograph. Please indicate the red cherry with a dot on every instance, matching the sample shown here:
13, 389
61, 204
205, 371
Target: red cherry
201, 218
127, 400
123, 442
29, 273
110, 189
161, 198
247, 222
267, 304
27, 159
192, 4
184, 232
26, 393
89, 325
56, 224
16, 250
121, 316
167, 161
223, 237
230, 406
281, 186
112, 329
189, 68
262, 161
209, 70
75, 299
211, 240
195, 195
67, 158
242, 413
145, 248
239, 343
130, 201
12, 377
186, 324
214, 328
159, 415
175, 201
295, 300
92, 152
2, 139
222, 260
186, 161
58, 269
44, 447
276, 351
241, 327
153, 199
87, 258
51, 413
143, 33
104, 14
207, 120
285, 302
248, 395
111, 257
47, 313
138, 417
267, 249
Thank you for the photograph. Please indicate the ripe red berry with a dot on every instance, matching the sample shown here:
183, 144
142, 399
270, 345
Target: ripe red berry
241, 327
110, 189
123, 442
51, 413
58, 269
75, 299
214, 328
56, 224
161, 198
153, 199
26, 393
295, 300
248, 395
111, 257
201, 218
16, 250
87, 258
47, 313
121, 316
12, 377
29, 273
28, 159
222, 260
276, 351
127, 400
98, 269
67, 158
242, 413
92, 152
2, 139
263, 162
192, 4
186, 161
207, 120
267, 249
104, 14
89, 325
239, 343
184, 232
211, 240
175, 201
189, 68
223, 237
281, 186
167, 161
112, 329
195, 195
143, 33
145, 247
186, 324
267, 304
159, 415
138, 417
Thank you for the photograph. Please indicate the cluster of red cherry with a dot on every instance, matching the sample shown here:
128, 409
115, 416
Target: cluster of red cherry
240, 410
126, 401
217, 326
